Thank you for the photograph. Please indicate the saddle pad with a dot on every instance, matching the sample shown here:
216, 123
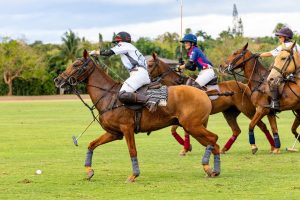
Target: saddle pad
160, 95
213, 87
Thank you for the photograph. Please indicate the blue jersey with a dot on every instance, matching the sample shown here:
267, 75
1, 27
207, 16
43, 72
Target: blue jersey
197, 57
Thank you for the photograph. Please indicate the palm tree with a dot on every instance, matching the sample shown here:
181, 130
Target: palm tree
70, 47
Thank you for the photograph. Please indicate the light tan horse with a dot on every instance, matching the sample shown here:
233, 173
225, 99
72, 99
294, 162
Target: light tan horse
256, 75
119, 121
286, 63
230, 106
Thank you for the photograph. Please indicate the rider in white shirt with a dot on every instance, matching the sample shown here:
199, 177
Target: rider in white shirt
135, 63
284, 35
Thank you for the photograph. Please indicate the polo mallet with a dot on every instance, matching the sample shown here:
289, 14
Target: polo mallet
292, 149
75, 140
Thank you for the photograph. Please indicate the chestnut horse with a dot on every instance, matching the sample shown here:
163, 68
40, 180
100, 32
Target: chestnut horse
230, 106
256, 75
118, 120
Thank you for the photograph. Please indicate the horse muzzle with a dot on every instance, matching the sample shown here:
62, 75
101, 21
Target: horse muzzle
59, 82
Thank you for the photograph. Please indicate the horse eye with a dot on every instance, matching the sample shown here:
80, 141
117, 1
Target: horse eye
283, 58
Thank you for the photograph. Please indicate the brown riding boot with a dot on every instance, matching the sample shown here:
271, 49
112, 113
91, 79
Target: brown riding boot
275, 102
132, 98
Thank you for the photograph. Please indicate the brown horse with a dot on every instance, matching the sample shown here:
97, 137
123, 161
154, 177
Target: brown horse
256, 75
230, 106
118, 121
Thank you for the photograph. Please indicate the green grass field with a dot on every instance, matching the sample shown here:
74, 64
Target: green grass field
37, 135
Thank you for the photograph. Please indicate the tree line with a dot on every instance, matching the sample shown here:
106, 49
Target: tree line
29, 69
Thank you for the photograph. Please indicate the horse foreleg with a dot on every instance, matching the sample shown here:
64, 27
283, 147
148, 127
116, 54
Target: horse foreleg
231, 116
260, 112
129, 136
296, 125
273, 124
265, 130
105, 138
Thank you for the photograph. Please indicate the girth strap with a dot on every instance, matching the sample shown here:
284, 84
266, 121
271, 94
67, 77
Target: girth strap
137, 120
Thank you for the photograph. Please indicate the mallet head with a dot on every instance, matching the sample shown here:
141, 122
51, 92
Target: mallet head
75, 140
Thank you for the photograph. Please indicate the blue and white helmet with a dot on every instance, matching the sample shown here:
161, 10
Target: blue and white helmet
189, 38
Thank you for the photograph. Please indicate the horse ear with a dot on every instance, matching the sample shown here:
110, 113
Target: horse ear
154, 56
85, 54
246, 46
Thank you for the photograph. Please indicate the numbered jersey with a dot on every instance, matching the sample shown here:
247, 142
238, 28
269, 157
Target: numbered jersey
131, 57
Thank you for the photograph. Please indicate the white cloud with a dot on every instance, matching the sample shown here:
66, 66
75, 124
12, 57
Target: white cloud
255, 24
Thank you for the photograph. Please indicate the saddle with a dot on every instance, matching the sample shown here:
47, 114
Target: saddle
156, 93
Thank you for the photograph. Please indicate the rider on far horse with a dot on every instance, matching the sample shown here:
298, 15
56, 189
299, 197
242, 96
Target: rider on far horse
136, 64
285, 35
197, 59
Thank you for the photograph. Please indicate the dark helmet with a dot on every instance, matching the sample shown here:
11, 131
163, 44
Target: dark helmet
189, 38
122, 37
285, 32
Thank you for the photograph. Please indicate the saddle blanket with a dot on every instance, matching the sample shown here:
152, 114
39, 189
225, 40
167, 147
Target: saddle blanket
213, 87
159, 95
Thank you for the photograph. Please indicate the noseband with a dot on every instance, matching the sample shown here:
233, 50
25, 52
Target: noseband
72, 79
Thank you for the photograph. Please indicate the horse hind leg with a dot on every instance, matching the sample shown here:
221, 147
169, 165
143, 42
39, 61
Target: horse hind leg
296, 124
231, 116
103, 139
209, 140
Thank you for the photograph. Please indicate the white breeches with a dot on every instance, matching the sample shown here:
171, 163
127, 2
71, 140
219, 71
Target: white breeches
136, 80
205, 76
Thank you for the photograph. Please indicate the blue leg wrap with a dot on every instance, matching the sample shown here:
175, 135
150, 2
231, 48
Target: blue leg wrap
217, 163
88, 159
251, 137
277, 140
205, 159
135, 166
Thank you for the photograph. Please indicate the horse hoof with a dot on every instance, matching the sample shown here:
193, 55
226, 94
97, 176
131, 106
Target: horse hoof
254, 149
214, 174
223, 151
90, 174
183, 152
191, 148
208, 170
276, 151
131, 179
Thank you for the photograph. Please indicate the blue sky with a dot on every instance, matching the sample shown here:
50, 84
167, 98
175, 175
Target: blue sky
47, 20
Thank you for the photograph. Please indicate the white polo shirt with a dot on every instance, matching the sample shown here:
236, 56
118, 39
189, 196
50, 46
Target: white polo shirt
276, 51
130, 55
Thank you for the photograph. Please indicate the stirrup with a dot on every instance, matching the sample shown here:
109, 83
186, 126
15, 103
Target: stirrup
273, 107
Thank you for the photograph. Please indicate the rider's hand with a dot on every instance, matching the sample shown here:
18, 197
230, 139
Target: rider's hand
94, 52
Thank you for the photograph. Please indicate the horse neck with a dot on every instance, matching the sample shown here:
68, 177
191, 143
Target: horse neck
170, 78
254, 71
98, 82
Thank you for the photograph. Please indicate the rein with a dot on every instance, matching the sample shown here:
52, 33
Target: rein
75, 90
162, 75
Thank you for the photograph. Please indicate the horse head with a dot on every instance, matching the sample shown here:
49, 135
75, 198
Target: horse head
76, 72
237, 60
162, 72
286, 62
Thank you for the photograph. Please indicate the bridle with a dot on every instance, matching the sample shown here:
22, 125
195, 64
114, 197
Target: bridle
287, 62
233, 66
72, 78
162, 75
83, 71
